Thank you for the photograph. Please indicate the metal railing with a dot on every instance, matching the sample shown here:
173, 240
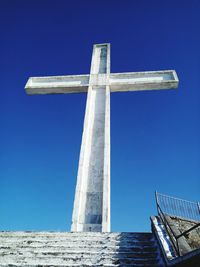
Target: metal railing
178, 207
170, 206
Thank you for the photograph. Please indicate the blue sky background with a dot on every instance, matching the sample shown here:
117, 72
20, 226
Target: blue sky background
155, 136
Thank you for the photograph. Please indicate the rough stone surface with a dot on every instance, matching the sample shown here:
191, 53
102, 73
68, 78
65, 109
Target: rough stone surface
78, 249
193, 237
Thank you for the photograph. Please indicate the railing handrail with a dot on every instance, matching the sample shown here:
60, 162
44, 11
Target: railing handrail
192, 202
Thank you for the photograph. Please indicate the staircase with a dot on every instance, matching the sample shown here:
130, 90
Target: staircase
44, 249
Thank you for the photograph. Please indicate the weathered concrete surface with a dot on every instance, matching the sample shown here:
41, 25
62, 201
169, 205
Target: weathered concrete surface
193, 237
117, 82
163, 238
184, 247
78, 249
92, 199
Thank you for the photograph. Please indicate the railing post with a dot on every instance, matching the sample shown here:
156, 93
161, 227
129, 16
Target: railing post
198, 205
178, 249
156, 196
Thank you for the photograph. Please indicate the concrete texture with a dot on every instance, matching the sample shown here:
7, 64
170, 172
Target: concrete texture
92, 199
193, 237
118, 82
47, 249
92, 202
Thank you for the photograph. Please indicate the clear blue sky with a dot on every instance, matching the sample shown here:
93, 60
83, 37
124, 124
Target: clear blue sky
155, 136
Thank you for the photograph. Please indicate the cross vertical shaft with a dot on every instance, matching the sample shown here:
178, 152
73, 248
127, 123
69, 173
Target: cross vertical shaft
92, 199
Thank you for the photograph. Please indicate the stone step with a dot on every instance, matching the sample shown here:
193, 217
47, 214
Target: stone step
86, 250
80, 235
133, 250
127, 254
75, 240
83, 243
125, 239
42, 260
83, 265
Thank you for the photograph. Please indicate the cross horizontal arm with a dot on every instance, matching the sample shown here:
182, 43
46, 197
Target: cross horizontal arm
57, 84
138, 81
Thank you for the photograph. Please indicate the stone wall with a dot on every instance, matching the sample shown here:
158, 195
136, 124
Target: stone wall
193, 237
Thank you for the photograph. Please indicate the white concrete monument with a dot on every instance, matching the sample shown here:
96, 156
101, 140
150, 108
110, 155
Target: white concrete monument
92, 199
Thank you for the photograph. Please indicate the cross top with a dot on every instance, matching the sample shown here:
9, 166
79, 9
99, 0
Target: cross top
92, 198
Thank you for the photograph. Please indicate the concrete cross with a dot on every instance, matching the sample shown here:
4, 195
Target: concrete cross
91, 210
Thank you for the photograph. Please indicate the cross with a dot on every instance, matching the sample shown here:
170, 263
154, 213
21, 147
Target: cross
91, 210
